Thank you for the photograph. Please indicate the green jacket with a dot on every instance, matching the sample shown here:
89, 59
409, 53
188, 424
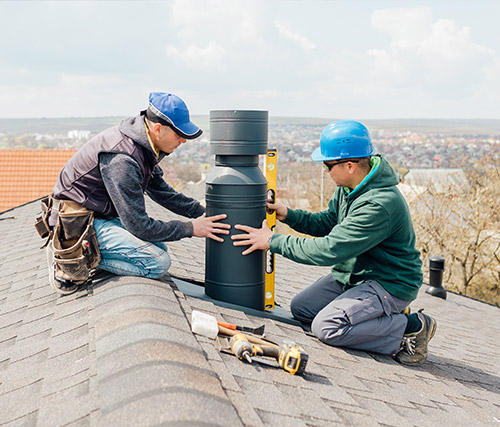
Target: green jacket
364, 234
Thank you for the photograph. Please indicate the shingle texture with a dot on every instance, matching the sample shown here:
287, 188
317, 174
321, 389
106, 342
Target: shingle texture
120, 352
26, 175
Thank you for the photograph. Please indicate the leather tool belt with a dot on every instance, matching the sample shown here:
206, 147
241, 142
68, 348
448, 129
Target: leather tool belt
74, 240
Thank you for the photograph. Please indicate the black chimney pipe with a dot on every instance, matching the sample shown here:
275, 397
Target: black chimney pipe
436, 268
236, 187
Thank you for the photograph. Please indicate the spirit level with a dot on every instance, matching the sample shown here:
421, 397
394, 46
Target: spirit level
271, 163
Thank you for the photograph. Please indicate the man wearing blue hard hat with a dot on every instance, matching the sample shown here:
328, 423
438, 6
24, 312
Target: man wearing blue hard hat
97, 215
366, 235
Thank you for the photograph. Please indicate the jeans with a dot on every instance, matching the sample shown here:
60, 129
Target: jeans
365, 317
126, 255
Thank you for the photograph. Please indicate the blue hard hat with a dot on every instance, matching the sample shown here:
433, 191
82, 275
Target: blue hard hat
344, 139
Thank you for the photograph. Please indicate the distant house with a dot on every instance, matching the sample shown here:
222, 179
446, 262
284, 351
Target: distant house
441, 179
79, 134
26, 175
410, 192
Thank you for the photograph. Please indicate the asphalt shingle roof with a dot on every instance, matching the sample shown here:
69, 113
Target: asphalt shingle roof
121, 352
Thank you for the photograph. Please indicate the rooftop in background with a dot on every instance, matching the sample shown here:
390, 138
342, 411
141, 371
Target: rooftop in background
442, 179
26, 175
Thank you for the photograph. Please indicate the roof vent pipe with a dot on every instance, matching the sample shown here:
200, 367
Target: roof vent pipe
236, 187
436, 268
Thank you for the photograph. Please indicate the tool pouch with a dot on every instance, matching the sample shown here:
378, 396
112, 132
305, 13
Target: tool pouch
76, 250
42, 222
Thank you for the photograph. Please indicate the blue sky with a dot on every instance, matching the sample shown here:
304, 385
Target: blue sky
361, 59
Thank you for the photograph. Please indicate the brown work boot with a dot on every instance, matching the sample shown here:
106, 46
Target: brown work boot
413, 350
62, 287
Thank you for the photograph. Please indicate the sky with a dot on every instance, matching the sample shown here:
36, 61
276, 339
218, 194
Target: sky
356, 59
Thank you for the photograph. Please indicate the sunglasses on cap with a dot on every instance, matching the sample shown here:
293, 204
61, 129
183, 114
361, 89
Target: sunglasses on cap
329, 166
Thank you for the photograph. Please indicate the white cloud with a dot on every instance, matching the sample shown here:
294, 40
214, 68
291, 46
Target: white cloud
218, 35
209, 57
298, 57
406, 26
73, 95
286, 33
487, 95
435, 55
226, 21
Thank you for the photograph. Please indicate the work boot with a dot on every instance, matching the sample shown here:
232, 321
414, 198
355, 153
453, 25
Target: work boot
413, 350
62, 287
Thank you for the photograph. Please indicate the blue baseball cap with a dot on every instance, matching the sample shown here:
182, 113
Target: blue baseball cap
170, 110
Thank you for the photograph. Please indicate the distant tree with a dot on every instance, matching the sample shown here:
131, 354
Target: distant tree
178, 174
306, 182
461, 223
188, 172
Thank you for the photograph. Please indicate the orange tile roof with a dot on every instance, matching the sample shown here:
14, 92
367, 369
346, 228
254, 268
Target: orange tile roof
26, 175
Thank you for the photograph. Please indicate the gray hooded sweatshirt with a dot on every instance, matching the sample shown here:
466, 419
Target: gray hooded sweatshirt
110, 175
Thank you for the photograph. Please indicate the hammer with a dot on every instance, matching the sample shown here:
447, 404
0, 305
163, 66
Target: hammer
207, 325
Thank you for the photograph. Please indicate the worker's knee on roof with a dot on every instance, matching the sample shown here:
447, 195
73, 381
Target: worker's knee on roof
293, 308
159, 266
318, 328
327, 327
298, 311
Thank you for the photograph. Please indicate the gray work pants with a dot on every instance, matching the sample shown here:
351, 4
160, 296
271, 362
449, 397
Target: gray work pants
365, 317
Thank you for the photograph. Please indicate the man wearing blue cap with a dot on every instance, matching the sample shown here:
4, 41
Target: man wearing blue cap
108, 177
366, 235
